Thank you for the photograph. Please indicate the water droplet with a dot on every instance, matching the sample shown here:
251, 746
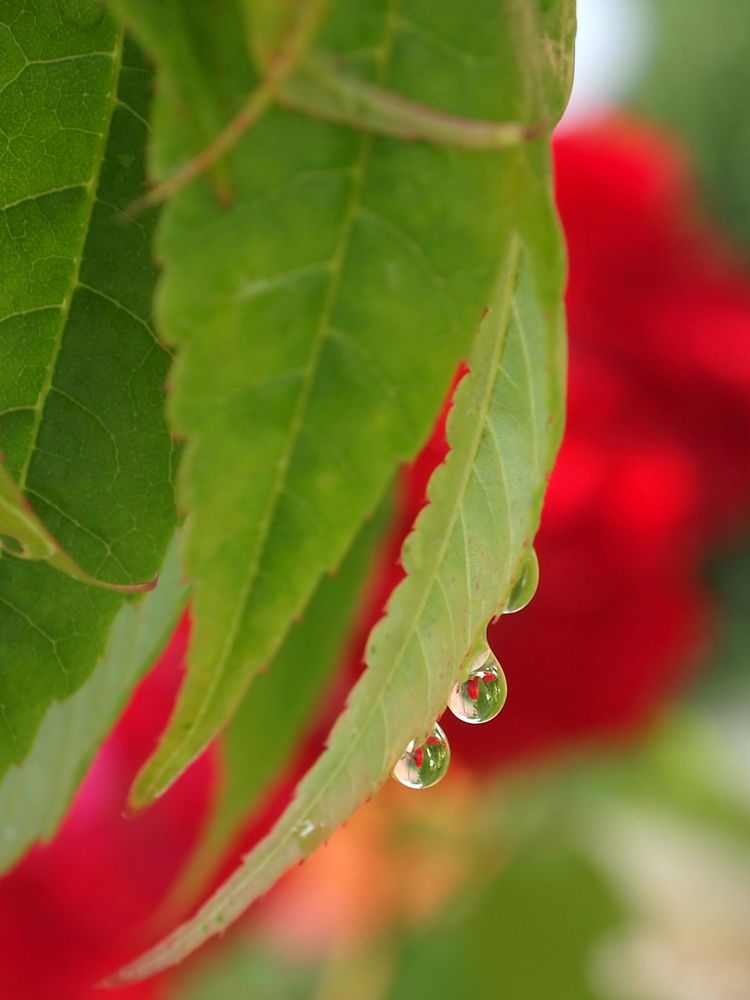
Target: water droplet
482, 695
310, 835
526, 586
424, 763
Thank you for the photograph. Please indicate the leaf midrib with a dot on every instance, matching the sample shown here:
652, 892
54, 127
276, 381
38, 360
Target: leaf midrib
91, 187
306, 385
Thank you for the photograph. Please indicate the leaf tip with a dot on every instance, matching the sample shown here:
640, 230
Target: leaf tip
162, 769
143, 792
116, 980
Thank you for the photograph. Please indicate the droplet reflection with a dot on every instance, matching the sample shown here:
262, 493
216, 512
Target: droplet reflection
482, 695
423, 764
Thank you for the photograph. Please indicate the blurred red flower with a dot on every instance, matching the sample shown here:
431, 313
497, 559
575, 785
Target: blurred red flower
655, 468
74, 910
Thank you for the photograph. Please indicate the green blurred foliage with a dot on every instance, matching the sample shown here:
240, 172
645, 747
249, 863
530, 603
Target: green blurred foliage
527, 936
726, 673
698, 83
242, 971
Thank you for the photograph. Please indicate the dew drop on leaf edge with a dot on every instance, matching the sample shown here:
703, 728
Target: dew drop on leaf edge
526, 586
310, 835
424, 763
482, 695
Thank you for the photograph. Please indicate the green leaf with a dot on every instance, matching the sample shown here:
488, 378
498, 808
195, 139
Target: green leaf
204, 76
318, 316
273, 718
24, 536
35, 796
246, 968
463, 558
82, 430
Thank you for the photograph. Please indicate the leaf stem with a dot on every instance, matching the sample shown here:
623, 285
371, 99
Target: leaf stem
321, 90
279, 68
23, 536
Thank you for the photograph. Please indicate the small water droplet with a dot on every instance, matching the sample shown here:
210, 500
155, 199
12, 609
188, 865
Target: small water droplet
310, 835
526, 586
424, 763
482, 695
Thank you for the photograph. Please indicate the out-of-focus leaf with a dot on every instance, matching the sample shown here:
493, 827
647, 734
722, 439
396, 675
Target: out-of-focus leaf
529, 934
244, 969
82, 430
35, 795
697, 83
726, 679
692, 766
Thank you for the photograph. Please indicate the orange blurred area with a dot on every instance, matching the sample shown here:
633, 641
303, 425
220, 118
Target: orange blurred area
393, 864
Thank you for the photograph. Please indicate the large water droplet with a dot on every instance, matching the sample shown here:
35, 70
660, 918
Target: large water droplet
424, 763
526, 586
482, 695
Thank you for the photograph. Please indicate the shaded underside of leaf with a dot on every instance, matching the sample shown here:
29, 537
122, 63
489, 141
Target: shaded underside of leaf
35, 796
82, 430
318, 317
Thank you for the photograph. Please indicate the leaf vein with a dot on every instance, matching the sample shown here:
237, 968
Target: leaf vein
121, 306
530, 383
65, 309
47, 193
40, 631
